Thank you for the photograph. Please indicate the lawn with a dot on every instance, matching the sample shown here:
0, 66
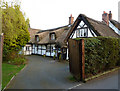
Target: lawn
8, 71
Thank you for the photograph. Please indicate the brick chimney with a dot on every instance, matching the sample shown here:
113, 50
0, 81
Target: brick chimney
110, 15
71, 19
106, 17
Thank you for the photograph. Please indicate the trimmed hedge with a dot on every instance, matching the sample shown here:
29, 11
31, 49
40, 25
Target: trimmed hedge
101, 54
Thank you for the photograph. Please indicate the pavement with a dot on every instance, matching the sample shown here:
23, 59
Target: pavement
46, 73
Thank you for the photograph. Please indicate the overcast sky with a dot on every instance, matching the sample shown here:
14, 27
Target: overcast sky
47, 14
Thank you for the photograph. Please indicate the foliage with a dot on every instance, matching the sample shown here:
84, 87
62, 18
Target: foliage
54, 57
72, 78
101, 54
60, 56
44, 55
8, 72
15, 58
15, 29
28, 22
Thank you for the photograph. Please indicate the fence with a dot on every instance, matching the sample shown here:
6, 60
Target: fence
1, 48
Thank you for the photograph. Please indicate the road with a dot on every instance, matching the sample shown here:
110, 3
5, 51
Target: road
46, 73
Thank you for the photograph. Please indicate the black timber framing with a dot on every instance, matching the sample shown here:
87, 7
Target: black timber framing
73, 34
76, 24
73, 27
81, 28
38, 47
90, 27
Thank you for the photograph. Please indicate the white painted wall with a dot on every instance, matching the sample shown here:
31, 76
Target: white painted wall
33, 49
36, 52
81, 31
89, 34
27, 52
43, 51
47, 52
39, 49
53, 53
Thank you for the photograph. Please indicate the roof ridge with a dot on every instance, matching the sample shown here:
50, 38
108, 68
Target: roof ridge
51, 29
97, 21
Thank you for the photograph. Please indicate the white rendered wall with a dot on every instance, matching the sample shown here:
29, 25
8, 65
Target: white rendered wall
47, 53
27, 52
39, 49
36, 50
43, 51
53, 53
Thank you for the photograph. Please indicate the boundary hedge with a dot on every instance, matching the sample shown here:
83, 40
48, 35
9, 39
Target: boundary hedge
101, 54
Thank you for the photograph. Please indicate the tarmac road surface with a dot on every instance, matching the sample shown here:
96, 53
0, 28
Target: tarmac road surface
46, 73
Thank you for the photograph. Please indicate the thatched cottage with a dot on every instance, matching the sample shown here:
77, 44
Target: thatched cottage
54, 42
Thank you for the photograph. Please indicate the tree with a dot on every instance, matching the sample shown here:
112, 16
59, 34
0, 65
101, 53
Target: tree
28, 22
14, 27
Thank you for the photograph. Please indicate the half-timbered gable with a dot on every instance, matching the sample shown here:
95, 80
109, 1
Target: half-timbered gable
88, 27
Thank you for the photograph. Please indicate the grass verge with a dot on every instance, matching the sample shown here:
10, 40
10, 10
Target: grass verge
8, 71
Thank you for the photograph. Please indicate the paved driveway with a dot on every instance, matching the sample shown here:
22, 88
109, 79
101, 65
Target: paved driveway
46, 73
43, 73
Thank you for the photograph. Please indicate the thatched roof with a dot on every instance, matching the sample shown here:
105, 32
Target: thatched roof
115, 23
100, 28
32, 34
60, 34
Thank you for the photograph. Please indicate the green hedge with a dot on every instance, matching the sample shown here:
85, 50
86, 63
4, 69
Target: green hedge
101, 54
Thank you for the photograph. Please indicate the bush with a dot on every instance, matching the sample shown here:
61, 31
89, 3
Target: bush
44, 55
101, 54
60, 57
14, 58
54, 57
17, 61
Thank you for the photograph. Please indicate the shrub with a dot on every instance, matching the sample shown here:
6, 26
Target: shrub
101, 54
54, 57
60, 56
15, 58
44, 55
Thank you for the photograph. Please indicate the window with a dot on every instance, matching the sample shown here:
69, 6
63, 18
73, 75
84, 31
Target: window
48, 48
27, 48
52, 49
37, 38
52, 36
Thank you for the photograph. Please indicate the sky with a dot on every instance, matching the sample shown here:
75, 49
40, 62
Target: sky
48, 14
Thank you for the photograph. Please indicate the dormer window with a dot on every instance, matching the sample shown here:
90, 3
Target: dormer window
37, 38
52, 36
